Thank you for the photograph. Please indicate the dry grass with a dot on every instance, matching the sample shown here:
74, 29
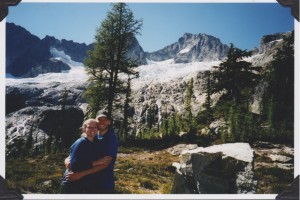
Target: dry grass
137, 171
145, 172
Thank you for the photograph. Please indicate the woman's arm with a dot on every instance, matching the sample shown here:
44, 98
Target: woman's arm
102, 161
73, 176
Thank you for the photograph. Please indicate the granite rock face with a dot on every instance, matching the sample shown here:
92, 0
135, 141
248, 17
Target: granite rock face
40, 125
218, 169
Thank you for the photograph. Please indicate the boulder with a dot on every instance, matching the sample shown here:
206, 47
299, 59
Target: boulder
177, 149
218, 169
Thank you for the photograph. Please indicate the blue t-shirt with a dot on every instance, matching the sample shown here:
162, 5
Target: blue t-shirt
81, 154
106, 145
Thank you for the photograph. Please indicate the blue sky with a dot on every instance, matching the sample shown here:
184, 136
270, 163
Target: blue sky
242, 24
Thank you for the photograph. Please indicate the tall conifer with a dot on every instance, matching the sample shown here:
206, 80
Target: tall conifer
108, 59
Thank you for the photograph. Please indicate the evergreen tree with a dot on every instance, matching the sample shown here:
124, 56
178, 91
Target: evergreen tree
164, 128
248, 130
235, 76
189, 122
95, 95
150, 116
178, 122
108, 59
188, 107
208, 103
172, 128
232, 128
124, 126
188, 97
278, 101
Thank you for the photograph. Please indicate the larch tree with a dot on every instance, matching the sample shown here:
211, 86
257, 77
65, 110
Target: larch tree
107, 64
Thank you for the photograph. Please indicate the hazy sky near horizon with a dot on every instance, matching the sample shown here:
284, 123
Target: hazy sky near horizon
242, 24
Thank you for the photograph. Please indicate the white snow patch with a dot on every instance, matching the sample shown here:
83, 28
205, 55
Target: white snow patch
186, 50
61, 56
76, 74
276, 40
251, 58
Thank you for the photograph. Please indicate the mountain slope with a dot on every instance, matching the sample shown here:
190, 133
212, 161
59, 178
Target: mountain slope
29, 56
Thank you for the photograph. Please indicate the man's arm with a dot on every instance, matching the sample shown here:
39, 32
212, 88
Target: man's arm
103, 161
98, 165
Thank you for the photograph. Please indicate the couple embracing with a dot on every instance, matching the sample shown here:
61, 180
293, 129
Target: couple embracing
90, 166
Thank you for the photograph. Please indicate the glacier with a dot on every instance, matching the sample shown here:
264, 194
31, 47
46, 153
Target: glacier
151, 73
157, 72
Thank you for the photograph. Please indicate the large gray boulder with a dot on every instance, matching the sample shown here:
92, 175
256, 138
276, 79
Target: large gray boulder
218, 169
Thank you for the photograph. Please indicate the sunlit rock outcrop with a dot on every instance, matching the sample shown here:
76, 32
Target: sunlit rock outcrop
218, 169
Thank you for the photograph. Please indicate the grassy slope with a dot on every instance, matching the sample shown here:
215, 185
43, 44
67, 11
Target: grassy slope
137, 171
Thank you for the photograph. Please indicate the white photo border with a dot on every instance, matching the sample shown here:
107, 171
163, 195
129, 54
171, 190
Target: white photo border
155, 196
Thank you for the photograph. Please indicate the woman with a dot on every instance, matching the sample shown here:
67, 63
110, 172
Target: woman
81, 157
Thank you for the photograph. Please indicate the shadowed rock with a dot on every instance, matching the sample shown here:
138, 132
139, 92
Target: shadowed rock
218, 169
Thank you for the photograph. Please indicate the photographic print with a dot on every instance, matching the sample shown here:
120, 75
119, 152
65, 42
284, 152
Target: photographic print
149, 98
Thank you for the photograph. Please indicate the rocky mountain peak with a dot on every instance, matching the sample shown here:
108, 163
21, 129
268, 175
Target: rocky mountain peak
192, 48
268, 41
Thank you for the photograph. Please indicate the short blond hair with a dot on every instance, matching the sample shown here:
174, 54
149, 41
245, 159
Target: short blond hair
86, 122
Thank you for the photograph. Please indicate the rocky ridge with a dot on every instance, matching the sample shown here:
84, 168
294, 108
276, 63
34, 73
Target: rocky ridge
28, 56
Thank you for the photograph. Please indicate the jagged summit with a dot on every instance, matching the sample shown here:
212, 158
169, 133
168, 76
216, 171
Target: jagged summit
192, 48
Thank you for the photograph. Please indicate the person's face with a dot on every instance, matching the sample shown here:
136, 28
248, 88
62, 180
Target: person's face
103, 123
91, 129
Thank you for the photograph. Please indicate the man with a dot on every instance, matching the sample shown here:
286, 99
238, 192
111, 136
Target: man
106, 147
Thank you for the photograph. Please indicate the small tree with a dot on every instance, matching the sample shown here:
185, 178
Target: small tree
208, 103
189, 122
108, 60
